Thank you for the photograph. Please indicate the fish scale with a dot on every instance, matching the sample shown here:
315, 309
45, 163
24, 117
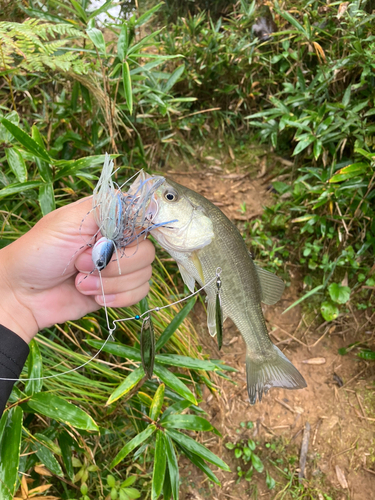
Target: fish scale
214, 242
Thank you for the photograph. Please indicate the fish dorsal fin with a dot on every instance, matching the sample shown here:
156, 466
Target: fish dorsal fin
271, 285
187, 277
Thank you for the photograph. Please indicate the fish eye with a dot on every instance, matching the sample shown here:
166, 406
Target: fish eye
171, 195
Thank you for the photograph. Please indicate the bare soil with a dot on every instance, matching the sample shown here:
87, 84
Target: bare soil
341, 449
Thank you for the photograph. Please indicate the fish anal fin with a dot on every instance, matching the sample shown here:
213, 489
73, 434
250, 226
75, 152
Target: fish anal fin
271, 285
188, 279
278, 371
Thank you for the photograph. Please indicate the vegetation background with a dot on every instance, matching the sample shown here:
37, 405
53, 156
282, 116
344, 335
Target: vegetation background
150, 83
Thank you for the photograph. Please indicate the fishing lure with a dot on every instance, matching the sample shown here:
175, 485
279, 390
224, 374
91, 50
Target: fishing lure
218, 310
122, 218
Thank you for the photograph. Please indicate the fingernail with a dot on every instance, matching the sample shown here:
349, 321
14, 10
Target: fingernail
90, 284
109, 299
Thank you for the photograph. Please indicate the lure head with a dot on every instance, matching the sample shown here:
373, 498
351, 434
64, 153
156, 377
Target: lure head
102, 253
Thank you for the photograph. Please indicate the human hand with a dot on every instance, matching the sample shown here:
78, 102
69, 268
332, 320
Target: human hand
34, 292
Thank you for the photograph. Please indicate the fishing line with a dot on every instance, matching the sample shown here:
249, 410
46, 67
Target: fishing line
111, 330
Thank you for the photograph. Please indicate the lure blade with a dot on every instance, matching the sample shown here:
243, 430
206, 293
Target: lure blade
147, 342
219, 321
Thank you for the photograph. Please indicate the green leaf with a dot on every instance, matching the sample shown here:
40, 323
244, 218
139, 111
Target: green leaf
16, 163
27, 142
159, 466
230, 446
128, 481
303, 144
5, 135
131, 445
172, 467
175, 76
19, 188
70, 167
86, 97
157, 402
186, 362
197, 448
167, 488
257, 463
174, 383
57, 408
189, 422
65, 442
123, 42
47, 198
196, 460
106, 6
35, 369
350, 171
48, 459
329, 311
270, 482
367, 354
79, 10
126, 78
127, 385
174, 324
148, 14
339, 293
10, 446
293, 22
346, 98
131, 493
175, 408
97, 38
306, 296
43, 167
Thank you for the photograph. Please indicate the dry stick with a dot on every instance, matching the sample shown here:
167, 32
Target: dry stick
353, 378
285, 405
300, 341
369, 470
360, 405
342, 218
344, 451
198, 113
304, 449
316, 430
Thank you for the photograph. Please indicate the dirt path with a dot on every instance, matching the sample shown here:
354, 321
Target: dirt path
341, 453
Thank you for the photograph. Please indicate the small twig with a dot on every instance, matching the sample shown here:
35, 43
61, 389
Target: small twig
316, 430
360, 405
198, 113
353, 378
369, 470
304, 449
342, 218
285, 405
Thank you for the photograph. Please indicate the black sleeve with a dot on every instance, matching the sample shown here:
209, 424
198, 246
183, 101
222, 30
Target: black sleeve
13, 354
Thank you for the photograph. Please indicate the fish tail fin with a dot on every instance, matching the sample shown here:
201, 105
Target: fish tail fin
275, 372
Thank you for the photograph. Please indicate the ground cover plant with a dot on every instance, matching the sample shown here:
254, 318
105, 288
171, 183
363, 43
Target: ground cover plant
73, 89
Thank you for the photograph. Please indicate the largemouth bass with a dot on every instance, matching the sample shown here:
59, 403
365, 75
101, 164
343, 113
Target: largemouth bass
203, 239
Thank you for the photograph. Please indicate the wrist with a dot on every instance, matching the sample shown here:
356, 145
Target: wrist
14, 315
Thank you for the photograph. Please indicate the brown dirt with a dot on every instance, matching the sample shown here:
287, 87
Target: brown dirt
341, 418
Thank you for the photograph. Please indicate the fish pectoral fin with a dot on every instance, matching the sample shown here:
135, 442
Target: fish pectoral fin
211, 316
271, 285
198, 265
188, 279
276, 371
